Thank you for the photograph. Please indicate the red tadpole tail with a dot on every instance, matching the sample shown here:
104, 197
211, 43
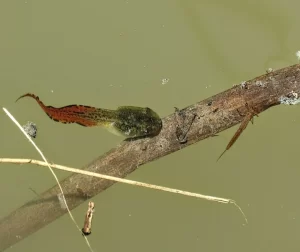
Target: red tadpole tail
80, 114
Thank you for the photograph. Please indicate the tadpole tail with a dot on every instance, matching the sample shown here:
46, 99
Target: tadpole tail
80, 114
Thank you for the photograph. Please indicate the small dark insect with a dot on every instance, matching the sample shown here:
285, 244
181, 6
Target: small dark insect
184, 125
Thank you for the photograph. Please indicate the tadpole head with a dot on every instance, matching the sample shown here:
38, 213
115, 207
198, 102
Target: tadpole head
138, 122
153, 123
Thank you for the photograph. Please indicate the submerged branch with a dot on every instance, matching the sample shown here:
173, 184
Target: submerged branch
214, 115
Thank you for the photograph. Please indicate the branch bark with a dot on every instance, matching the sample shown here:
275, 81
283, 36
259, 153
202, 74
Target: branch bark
214, 115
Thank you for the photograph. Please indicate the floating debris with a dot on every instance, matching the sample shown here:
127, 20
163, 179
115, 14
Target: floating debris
31, 129
244, 85
298, 55
290, 99
260, 84
164, 81
87, 226
270, 70
293, 94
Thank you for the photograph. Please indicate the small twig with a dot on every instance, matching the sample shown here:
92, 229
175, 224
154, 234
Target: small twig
121, 180
34, 191
247, 118
126, 181
87, 226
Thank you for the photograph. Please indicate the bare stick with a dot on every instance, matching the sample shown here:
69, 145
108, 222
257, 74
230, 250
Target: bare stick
48, 165
87, 226
121, 180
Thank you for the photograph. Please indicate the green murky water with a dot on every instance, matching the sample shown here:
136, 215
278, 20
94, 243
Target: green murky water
112, 53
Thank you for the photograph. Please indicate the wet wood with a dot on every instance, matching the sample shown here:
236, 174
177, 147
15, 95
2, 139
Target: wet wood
214, 115
247, 118
87, 226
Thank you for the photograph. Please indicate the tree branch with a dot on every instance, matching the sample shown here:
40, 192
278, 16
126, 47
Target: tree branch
214, 115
